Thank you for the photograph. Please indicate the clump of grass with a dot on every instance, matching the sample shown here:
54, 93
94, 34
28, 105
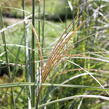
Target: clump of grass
80, 63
